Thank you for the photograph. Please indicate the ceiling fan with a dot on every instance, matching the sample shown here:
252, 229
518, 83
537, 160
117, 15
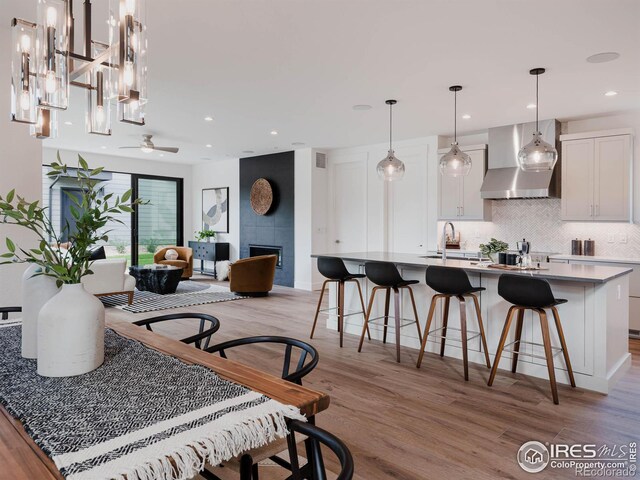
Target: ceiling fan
147, 146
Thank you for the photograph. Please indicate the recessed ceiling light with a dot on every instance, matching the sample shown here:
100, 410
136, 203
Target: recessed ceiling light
103, 147
466, 116
248, 151
362, 107
209, 145
531, 106
162, 154
603, 57
611, 93
274, 132
68, 123
297, 144
208, 119
205, 158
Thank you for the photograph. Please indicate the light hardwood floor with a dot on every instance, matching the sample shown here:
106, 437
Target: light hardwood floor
405, 423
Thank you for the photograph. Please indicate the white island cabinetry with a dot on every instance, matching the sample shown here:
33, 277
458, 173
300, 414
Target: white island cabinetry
595, 318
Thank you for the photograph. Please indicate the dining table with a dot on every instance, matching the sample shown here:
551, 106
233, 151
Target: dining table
22, 459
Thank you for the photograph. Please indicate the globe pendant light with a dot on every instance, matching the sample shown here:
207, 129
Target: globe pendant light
537, 155
455, 162
390, 168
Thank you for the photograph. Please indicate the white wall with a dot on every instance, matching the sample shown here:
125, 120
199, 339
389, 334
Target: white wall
213, 174
139, 166
20, 159
310, 217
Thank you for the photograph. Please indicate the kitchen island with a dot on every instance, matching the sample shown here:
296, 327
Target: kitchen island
595, 319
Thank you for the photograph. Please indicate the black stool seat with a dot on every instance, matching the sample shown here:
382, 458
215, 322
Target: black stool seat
334, 268
386, 275
529, 293
450, 281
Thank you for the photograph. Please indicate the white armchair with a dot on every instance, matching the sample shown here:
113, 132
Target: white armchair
110, 278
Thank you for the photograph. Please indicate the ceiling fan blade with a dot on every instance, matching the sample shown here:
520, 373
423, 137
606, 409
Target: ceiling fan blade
167, 149
138, 147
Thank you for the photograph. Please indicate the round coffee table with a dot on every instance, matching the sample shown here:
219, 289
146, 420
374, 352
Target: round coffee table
157, 279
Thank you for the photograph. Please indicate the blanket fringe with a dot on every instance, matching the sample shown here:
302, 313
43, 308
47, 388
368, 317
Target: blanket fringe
185, 462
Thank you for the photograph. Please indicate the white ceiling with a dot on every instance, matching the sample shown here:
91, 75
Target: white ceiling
298, 66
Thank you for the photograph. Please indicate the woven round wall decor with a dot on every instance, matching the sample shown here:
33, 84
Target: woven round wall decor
261, 196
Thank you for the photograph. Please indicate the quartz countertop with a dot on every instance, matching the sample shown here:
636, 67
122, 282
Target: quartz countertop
598, 259
552, 271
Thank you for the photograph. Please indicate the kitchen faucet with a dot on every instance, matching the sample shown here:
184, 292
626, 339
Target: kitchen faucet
444, 238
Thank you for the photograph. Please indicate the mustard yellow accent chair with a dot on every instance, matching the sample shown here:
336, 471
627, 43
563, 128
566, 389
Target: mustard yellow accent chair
185, 259
253, 276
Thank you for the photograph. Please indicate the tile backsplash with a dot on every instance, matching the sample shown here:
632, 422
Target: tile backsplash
539, 222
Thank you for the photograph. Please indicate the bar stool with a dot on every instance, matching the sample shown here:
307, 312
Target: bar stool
386, 276
453, 282
526, 293
334, 270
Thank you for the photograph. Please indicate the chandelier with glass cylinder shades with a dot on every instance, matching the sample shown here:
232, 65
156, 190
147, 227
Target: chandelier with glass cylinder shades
45, 65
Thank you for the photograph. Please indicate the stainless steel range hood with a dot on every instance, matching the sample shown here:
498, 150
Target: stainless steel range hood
504, 180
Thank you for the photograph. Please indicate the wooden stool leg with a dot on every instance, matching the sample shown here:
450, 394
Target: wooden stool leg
445, 321
341, 312
365, 327
386, 315
503, 339
315, 320
432, 309
130, 298
415, 313
396, 305
483, 337
362, 304
548, 353
563, 344
463, 335
516, 350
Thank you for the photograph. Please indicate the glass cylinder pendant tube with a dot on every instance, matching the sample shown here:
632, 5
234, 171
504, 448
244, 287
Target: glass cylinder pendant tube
52, 51
23, 72
47, 124
98, 97
132, 63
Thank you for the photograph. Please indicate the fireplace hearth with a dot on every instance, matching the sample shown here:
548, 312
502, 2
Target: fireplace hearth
257, 250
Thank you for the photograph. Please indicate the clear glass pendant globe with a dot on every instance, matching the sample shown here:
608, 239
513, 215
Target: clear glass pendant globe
537, 155
455, 163
390, 168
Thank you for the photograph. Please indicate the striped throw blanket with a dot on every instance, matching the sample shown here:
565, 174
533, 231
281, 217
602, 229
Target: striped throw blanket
141, 415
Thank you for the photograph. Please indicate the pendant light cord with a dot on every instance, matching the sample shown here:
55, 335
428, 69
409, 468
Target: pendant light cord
537, 101
390, 126
455, 116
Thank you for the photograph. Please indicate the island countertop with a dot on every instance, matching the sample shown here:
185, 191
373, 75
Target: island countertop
550, 271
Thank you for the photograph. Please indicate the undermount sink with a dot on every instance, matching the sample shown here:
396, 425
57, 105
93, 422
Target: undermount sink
454, 257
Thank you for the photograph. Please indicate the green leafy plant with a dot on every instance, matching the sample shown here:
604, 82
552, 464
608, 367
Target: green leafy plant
492, 247
204, 234
151, 244
121, 247
91, 213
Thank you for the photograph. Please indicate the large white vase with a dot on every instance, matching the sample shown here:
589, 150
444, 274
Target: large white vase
36, 291
70, 333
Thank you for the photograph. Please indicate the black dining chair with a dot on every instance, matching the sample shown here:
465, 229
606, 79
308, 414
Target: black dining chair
5, 311
208, 326
314, 469
307, 359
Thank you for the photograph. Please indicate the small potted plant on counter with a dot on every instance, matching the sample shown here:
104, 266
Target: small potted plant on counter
205, 235
492, 248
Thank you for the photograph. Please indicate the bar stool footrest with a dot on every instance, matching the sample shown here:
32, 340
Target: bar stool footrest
408, 321
327, 311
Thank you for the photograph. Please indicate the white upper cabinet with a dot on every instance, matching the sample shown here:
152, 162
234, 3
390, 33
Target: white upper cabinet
459, 197
596, 176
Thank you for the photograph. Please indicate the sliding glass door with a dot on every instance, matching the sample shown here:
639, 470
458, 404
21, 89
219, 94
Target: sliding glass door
160, 222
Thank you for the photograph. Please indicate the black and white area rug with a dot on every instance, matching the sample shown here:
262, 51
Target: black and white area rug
188, 294
135, 414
